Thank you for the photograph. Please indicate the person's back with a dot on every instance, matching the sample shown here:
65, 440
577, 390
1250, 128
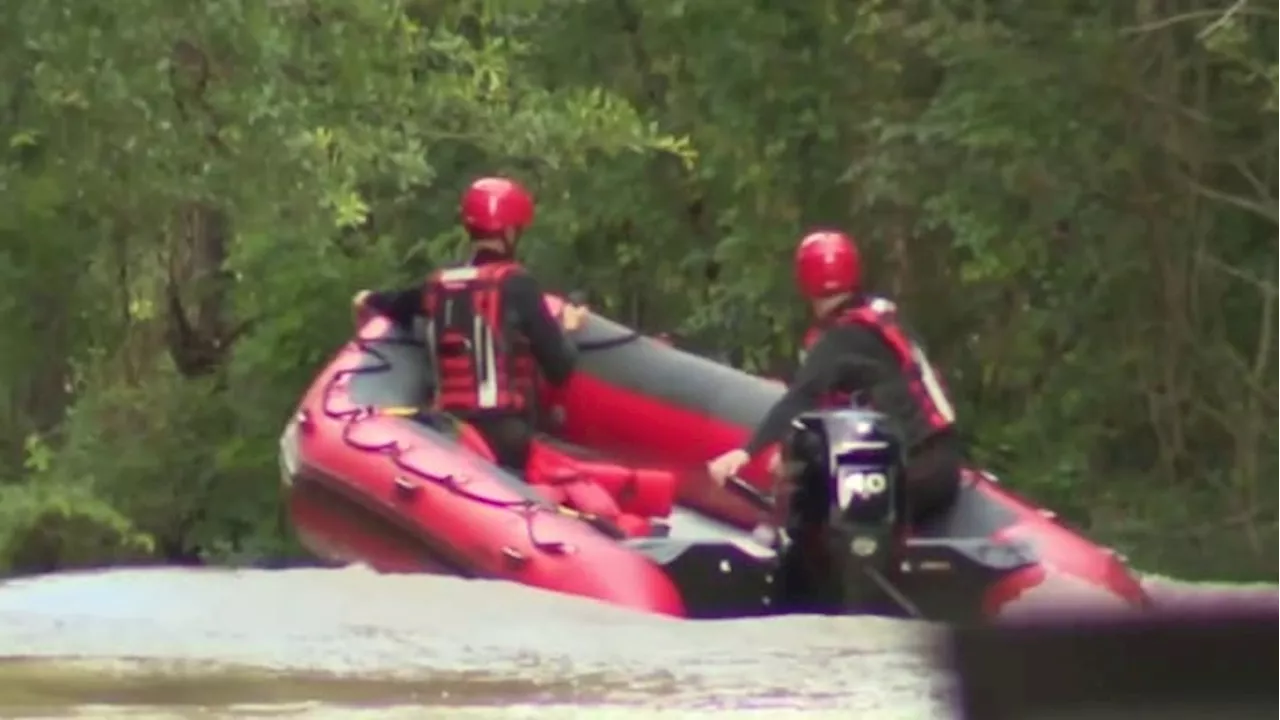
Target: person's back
879, 364
490, 335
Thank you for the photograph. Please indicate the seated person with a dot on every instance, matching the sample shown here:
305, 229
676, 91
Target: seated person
858, 348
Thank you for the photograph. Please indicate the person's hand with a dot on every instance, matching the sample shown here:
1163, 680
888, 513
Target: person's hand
359, 308
775, 464
727, 465
572, 317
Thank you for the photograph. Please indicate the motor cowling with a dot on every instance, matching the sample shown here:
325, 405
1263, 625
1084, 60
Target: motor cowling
845, 468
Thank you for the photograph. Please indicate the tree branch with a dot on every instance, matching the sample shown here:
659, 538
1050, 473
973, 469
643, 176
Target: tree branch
1267, 212
1221, 16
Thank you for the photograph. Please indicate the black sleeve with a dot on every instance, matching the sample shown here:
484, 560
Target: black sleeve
845, 357
400, 306
555, 353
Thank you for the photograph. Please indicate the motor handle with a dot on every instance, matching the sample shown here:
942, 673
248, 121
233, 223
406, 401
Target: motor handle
745, 490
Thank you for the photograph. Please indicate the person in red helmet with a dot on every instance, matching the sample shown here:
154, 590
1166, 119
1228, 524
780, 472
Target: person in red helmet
858, 350
490, 330
490, 333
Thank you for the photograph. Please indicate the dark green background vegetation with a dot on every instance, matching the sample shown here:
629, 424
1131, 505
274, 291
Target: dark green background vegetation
1075, 202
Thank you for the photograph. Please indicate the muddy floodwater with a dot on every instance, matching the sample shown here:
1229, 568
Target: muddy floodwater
349, 643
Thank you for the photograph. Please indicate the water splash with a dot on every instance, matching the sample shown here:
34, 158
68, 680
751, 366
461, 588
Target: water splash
350, 641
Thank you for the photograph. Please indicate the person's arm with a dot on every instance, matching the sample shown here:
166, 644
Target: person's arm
842, 356
552, 349
400, 306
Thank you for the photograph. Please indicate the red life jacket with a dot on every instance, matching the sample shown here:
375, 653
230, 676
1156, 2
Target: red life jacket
926, 388
482, 363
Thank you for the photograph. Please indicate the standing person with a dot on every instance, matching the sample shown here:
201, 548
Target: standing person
489, 329
857, 348
489, 333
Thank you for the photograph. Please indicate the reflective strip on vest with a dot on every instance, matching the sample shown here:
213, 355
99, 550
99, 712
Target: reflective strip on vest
494, 369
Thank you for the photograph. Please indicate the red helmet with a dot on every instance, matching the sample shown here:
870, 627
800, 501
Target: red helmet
492, 206
827, 263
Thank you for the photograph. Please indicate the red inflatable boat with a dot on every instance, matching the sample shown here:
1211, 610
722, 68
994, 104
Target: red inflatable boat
368, 483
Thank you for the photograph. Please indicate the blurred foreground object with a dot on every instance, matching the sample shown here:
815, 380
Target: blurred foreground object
1220, 666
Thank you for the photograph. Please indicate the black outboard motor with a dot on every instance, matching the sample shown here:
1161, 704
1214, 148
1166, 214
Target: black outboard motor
845, 468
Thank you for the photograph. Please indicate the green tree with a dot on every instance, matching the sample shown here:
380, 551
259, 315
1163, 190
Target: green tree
1075, 203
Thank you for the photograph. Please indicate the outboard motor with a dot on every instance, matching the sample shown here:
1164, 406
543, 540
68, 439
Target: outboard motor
845, 468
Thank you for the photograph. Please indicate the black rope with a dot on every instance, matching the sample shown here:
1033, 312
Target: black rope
610, 343
527, 509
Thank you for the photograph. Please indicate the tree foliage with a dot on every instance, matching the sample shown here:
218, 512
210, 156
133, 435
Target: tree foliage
1075, 203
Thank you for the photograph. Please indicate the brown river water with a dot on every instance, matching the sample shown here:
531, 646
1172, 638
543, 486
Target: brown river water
349, 643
